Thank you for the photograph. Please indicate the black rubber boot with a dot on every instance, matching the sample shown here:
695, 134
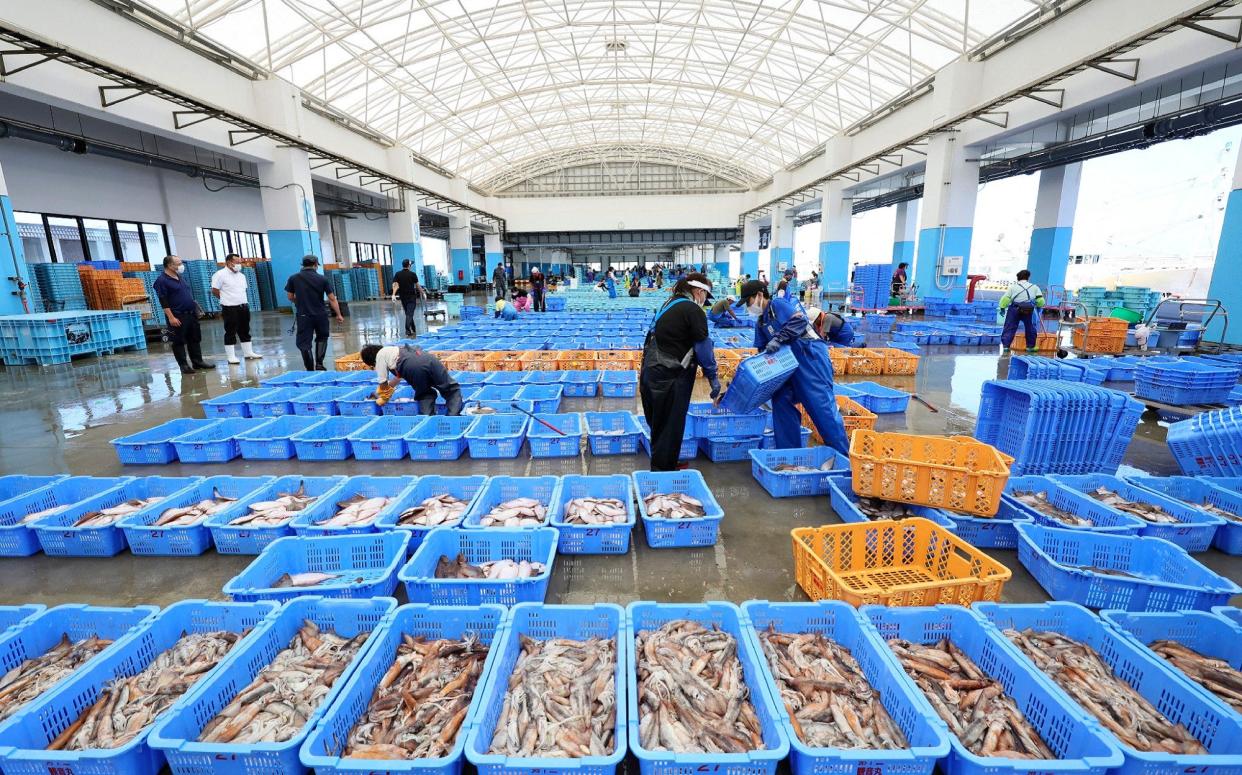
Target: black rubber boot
308, 360
321, 349
182, 361
196, 356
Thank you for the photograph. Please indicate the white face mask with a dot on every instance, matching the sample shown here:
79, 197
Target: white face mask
234, 268
755, 309
181, 269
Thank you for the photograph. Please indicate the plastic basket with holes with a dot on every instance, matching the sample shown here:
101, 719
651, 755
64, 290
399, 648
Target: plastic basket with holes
945, 472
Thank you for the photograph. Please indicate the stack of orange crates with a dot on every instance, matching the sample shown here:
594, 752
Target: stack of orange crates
109, 289
1101, 335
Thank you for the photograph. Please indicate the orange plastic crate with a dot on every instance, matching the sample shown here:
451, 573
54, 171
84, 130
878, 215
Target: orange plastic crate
898, 361
576, 360
861, 361
472, 360
617, 360
911, 562
859, 417
1101, 335
351, 362
945, 472
540, 360
839, 360
1048, 342
503, 360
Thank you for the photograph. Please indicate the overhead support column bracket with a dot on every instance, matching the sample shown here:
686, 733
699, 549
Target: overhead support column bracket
44, 54
1057, 101
894, 159
130, 93
1197, 24
1106, 66
999, 118
344, 172
242, 136
203, 115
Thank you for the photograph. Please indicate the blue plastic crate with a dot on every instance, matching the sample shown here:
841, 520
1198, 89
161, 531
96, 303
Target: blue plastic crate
14, 485
1184, 381
1196, 492
245, 539
728, 618
60, 537
144, 538
844, 502
1168, 579
25, 741
154, 445
383, 438
479, 546
878, 398
879, 324
498, 393
613, 433
215, 443
320, 401
14, 616
499, 489
841, 622
689, 444
276, 402
709, 421
324, 746
20, 540
670, 533
307, 522
725, 450
997, 532
465, 488
178, 730
497, 435
1102, 518
757, 378
544, 442
359, 401
552, 377
543, 622
1216, 727
791, 484
232, 404
505, 377
327, 439
1194, 530
272, 440
366, 563
595, 539
546, 399
1079, 745
619, 384
439, 438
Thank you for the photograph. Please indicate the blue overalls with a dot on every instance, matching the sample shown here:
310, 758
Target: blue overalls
811, 385
611, 285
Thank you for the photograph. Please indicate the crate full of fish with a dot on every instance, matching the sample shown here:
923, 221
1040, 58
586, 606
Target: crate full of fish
439, 438
232, 404
54, 645
259, 518
821, 663
1200, 647
788, 473
744, 722
1052, 505
566, 658
383, 438
1161, 722
595, 514
1162, 516
435, 501
358, 402
1029, 727
757, 378
907, 562
471, 567
91, 528
353, 507
1131, 573
851, 507
177, 525
215, 443
613, 433
564, 441
273, 440
19, 513
96, 723
708, 420
154, 445
327, 439
369, 729
253, 712
513, 502
955, 472
1206, 497
677, 509
358, 566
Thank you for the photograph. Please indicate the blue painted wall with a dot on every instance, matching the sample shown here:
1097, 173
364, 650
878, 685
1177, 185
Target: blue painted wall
956, 243
1048, 256
288, 248
491, 261
1225, 284
903, 251
834, 260
12, 259
750, 263
460, 269
411, 250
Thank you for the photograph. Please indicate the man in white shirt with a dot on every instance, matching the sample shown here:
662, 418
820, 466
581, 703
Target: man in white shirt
1021, 304
229, 286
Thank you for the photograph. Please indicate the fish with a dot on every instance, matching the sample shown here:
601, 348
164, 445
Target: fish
475, 410
355, 511
184, 516
1039, 502
275, 706
276, 512
127, 706
420, 703
1215, 675
878, 508
561, 700
971, 703
496, 570
38, 515
110, 515
595, 511
34, 676
443, 509
1148, 512
793, 468
673, 505
1212, 508
311, 579
828, 698
692, 694
1080, 671
1105, 571
516, 512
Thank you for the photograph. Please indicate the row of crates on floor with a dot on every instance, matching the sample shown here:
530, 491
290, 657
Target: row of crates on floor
40, 514
1080, 742
977, 311
360, 283
60, 287
1209, 443
932, 332
872, 286
56, 337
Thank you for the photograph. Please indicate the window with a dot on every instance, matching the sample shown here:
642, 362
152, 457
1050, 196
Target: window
218, 243
71, 239
370, 252
99, 239
34, 236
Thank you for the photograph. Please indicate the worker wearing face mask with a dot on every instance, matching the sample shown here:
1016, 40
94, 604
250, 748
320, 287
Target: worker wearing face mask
181, 311
783, 322
229, 286
677, 346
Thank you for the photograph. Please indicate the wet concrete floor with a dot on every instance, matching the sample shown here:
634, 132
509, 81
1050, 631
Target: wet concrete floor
60, 419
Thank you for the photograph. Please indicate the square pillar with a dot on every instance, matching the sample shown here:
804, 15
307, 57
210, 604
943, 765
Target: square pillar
289, 210
905, 232
404, 234
493, 255
750, 248
1048, 255
781, 244
951, 184
834, 237
721, 260
13, 267
461, 270
1224, 286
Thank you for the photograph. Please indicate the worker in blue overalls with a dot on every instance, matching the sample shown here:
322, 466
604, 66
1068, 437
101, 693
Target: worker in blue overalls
784, 322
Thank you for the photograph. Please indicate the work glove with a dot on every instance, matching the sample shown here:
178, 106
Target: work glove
383, 394
772, 347
714, 382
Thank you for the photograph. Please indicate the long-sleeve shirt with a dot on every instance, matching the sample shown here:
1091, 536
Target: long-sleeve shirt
790, 320
1022, 292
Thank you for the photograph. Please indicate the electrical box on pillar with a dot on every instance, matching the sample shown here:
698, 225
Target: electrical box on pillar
951, 266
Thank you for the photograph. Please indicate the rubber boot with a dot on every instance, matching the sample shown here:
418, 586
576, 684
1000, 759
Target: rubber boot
182, 361
196, 356
308, 360
248, 352
321, 349
230, 354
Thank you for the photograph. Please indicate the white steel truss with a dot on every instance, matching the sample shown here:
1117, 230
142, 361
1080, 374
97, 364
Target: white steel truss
499, 91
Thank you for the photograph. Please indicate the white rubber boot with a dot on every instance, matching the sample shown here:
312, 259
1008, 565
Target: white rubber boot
248, 352
230, 354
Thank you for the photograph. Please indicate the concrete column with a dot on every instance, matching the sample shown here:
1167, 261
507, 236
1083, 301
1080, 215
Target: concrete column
289, 210
1048, 255
13, 268
905, 230
1224, 285
950, 186
460, 261
834, 237
721, 259
181, 212
493, 254
750, 248
404, 234
781, 244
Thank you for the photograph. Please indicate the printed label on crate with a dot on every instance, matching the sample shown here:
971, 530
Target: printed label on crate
77, 333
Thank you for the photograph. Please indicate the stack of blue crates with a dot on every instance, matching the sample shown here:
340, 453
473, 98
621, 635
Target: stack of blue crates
1039, 367
342, 284
252, 289
198, 274
34, 294
266, 284
875, 281
61, 286
157, 311
1185, 382
1209, 443
366, 283
1055, 427
55, 337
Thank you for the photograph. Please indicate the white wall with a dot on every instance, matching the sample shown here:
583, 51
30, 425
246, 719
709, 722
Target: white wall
608, 213
363, 229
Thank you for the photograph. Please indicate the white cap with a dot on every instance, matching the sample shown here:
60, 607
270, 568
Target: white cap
813, 313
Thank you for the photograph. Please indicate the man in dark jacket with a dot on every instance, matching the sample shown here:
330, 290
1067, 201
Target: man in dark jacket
407, 291
181, 311
307, 290
538, 289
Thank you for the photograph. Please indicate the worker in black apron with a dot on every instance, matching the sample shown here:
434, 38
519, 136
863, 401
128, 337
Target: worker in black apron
425, 373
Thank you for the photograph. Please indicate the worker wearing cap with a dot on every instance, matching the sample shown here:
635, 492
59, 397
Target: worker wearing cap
307, 290
784, 323
722, 313
830, 326
425, 373
677, 346
505, 310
